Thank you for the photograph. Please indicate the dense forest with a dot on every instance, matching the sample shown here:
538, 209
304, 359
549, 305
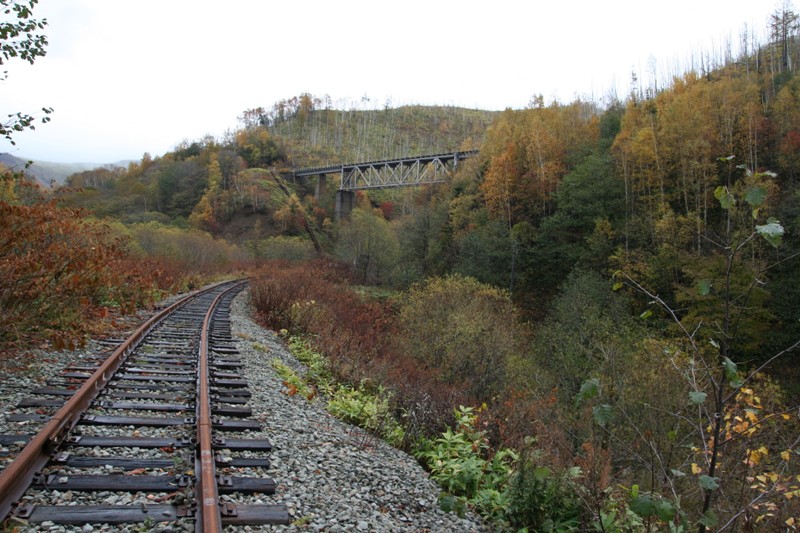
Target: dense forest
593, 327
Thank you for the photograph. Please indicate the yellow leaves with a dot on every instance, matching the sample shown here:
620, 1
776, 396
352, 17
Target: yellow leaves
790, 522
754, 457
785, 455
742, 426
696, 469
770, 477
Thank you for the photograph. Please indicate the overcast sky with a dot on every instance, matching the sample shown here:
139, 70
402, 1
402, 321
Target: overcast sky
127, 77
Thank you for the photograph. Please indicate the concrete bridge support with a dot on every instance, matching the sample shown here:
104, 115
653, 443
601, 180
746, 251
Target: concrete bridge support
345, 201
320, 189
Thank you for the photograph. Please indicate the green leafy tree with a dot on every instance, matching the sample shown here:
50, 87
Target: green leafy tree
589, 194
726, 415
20, 38
369, 244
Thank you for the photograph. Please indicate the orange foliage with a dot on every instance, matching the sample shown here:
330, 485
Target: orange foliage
528, 154
58, 272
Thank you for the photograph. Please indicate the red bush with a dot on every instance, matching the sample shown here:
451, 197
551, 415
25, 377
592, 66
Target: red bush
357, 336
59, 274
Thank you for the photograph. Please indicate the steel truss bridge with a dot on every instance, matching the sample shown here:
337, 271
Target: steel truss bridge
400, 172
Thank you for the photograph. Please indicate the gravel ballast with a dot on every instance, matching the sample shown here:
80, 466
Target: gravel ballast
331, 476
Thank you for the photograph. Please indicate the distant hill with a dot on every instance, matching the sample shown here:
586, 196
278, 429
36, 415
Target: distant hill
47, 172
315, 134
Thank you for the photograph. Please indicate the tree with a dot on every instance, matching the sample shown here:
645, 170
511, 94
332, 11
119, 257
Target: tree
20, 39
528, 153
252, 118
587, 195
783, 24
368, 243
258, 148
202, 216
728, 460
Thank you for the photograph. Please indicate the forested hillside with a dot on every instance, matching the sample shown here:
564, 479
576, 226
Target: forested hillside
316, 133
593, 327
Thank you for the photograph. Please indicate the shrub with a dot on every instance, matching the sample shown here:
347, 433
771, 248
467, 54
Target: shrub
541, 499
368, 409
294, 384
60, 272
357, 337
194, 250
460, 460
466, 329
285, 247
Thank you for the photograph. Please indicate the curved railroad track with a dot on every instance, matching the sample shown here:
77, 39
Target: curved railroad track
176, 372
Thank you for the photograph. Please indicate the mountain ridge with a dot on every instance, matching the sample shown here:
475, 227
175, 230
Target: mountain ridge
47, 173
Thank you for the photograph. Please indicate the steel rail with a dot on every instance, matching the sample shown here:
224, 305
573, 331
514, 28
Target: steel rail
209, 518
17, 476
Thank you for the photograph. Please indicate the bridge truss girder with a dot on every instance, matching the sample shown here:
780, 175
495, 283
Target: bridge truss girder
397, 174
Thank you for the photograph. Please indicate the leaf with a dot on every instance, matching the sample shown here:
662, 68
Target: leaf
643, 505
677, 473
731, 372
714, 343
726, 199
772, 232
603, 414
646, 314
617, 286
696, 469
704, 287
755, 196
541, 473
709, 519
730, 369
589, 389
697, 397
665, 510
708, 482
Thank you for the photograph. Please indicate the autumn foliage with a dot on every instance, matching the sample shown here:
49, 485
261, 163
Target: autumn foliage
359, 337
58, 271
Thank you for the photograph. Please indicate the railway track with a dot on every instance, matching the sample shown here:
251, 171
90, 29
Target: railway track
164, 418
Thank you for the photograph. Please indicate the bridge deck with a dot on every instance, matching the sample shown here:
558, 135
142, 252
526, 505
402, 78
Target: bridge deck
385, 163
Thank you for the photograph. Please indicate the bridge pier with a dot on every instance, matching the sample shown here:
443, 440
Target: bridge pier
345, 200
320, 190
